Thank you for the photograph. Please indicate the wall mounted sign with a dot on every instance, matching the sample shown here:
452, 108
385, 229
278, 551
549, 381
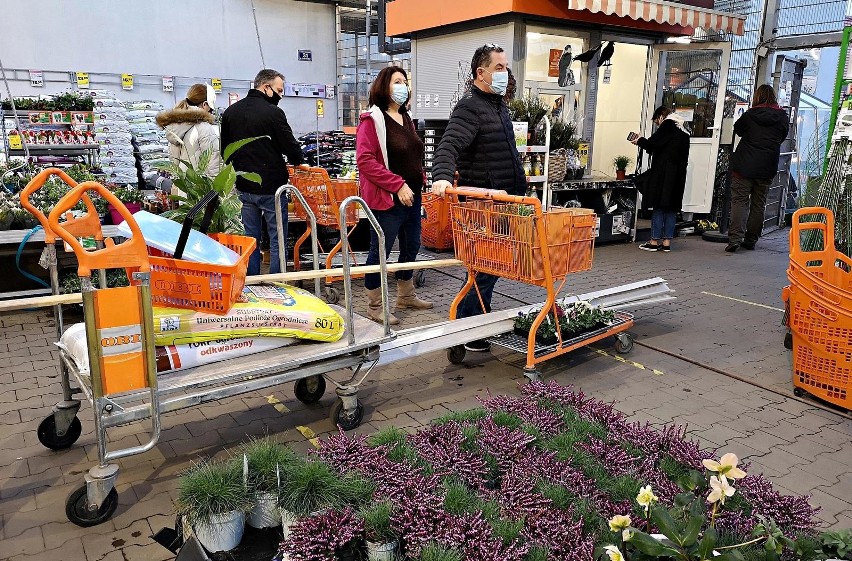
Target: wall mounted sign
37, 78
83, 80
168, 83
217, 84
127, 82
306, 56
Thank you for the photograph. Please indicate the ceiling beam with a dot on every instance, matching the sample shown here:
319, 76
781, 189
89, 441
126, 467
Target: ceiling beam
809, 41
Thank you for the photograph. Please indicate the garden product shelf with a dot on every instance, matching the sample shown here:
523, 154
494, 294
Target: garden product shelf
592, 183
518, 343
56, 149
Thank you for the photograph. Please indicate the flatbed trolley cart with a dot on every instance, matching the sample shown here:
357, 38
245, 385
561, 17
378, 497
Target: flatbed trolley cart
323, 195
62, 428
122, 384
512, 238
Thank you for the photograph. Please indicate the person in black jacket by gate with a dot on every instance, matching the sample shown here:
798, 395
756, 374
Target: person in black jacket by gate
669, 150
753, 166
479, 143
258, 115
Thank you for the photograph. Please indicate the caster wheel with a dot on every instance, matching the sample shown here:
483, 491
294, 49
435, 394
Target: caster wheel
48, 437
78, 511
310, 390
623, 343
332, 295
346, 420
788, 341
456, 354
533, 375
798, 392
420, 278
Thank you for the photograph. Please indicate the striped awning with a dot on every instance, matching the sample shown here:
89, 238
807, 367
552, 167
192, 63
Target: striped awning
660, 11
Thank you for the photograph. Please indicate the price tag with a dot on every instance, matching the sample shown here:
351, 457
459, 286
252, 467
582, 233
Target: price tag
320, 108
83, 80
37, 78
217, 84
127, 82
168, 83
233, 98
15, 142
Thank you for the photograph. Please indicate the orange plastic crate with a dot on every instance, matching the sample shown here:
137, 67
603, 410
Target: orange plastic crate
821, 374
494, 238
178, 283
823, 325
436, 230
324, 196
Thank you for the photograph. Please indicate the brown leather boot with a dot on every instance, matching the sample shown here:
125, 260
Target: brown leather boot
407, 298
374, 307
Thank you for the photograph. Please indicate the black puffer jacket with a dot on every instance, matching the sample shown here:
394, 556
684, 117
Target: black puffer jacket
763, 128
479, 142
254, 116
669, 149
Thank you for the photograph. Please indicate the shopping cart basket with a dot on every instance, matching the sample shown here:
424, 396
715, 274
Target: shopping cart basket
436, 232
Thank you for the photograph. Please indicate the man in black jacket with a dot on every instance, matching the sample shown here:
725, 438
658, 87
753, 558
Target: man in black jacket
479, 143
258, 115
753, 166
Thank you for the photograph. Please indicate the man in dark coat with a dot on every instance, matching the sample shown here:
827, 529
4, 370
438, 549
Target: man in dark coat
479, 143
669, 150
753, 166
258, 114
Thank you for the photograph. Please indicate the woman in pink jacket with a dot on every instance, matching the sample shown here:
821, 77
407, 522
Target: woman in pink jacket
390, 169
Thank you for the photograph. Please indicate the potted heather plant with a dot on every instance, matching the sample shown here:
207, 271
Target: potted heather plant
382, 540
213, 500
620, 163
266, 460
132, 199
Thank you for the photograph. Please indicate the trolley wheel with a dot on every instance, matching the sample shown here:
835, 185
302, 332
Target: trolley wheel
456, 354
77, 509
623, 343
311, 389
798, 392
532, 374
332, 295
420, 278
788, 340
346, 420
48, 437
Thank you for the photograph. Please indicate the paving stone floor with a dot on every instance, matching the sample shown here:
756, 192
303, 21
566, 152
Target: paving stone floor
727, 316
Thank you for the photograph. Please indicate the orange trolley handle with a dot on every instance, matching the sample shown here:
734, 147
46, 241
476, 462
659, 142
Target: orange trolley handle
87, 225
132, 254
827, 229
493, 195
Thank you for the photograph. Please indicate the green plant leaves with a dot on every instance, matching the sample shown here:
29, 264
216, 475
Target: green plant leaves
250, 176
708, 542
236, 145
651, 546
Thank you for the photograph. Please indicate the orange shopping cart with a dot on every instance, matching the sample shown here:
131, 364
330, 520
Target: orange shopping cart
324, 195
512, 238
819, 309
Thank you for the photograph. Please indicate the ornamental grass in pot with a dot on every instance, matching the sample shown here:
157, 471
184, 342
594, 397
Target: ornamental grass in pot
382, 539
266, 461
213, 500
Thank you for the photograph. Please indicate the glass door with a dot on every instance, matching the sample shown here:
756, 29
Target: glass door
692, 81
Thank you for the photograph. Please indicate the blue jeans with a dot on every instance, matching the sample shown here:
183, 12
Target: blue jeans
401, 222
663, 224
257, 211
470, 306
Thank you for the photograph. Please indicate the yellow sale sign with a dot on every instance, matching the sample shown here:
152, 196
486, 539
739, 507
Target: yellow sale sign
127, 82
217, 84
83, 80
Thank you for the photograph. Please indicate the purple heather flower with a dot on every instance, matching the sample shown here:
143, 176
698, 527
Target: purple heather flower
548, 422
789, 512
556, 529
442, 445
318, 537
505, 444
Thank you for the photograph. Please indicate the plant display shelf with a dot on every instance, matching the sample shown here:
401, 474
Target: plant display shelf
517, 343
545, 170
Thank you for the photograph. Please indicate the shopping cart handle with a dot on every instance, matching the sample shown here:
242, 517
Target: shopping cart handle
494, 195
132, 254
208, 203
87, 225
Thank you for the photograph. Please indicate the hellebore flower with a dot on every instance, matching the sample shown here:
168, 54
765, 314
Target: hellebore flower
619, 522
727, 466
626, 534
720, 489
646, 497
613, 553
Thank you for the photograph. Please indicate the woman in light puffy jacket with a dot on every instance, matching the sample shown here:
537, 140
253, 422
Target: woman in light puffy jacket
190, 130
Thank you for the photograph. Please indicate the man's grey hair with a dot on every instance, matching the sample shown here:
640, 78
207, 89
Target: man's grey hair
266, 76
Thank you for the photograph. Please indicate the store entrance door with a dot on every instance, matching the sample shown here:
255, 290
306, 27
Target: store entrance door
692, 80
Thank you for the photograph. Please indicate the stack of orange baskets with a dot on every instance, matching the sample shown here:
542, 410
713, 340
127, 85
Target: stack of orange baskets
437, 233
819, 304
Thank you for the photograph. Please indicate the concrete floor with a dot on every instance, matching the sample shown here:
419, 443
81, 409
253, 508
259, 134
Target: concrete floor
728, 316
